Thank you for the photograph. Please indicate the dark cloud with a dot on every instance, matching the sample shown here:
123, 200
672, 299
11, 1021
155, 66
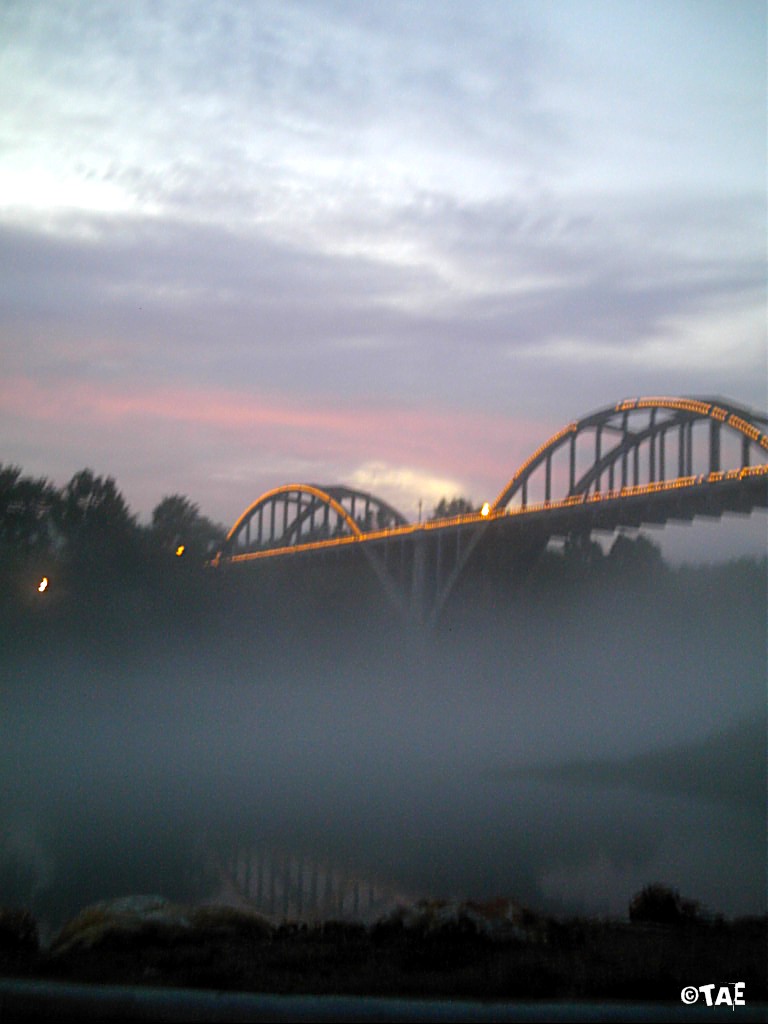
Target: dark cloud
180, 301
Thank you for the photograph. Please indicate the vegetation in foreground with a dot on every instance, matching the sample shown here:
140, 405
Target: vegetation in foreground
495, 950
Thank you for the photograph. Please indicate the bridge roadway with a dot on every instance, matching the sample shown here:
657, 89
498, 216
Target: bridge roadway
645, 460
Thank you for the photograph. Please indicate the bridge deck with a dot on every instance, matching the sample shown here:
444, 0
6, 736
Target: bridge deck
681, 498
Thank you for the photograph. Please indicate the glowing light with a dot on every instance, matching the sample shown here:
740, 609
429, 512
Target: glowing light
746, 428
180, 550
484, 511
42, 585
629, 491
684, 404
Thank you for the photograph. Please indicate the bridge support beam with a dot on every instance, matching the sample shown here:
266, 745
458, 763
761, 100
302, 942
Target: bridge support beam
714, 446
425, 571
418, 580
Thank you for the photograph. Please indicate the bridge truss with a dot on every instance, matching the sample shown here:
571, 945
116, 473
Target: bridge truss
640, 442
641, 460
300, 515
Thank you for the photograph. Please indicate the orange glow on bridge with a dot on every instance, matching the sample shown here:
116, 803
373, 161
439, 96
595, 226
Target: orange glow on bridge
630, 434
623, 493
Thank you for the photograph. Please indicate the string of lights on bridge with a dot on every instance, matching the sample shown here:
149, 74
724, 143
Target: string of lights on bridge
487, 513
687, 410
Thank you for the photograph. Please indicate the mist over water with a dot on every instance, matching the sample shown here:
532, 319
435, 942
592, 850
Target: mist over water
565, 743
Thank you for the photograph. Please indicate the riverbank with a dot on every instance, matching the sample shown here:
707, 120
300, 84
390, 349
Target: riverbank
431, 951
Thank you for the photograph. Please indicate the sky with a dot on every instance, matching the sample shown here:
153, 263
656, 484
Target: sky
394, 245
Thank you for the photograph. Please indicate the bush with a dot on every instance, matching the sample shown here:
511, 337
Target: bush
660, 904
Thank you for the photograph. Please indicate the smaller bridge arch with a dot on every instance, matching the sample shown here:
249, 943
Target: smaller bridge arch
296, 514
637, 441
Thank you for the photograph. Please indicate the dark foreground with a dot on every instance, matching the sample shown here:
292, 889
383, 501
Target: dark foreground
187, 963
35, 1001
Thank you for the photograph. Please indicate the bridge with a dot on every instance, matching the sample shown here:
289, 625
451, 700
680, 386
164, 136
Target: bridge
297, 886
639, 461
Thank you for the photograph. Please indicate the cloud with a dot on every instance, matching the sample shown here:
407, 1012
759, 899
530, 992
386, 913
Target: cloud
425, 213
189, 101
284, 112
410, 489
229, 445
465, 285
231, 349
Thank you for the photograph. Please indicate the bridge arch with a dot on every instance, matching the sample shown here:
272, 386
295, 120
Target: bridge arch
628, 446
296, 514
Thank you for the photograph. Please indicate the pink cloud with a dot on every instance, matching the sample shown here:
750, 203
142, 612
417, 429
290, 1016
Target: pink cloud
461, 444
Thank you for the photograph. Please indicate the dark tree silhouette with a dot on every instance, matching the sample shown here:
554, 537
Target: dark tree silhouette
639, 553
661, 904
448, 507
178, 526
92, 505
27, 506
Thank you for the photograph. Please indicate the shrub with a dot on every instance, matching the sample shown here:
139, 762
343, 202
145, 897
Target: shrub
660, 904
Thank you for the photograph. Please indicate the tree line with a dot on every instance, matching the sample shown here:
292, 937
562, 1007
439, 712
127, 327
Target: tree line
80, 553
38, 518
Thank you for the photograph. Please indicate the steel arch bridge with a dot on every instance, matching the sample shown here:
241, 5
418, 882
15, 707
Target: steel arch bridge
298, 515
640, 460
624, 433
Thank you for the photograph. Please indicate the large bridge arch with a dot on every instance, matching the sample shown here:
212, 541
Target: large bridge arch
631, 432
296, 514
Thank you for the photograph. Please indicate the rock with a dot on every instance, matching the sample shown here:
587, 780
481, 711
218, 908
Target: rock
505, 919
229, 921
500, 920
134, 921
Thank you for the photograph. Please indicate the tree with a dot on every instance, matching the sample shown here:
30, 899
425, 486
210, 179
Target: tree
456, 506
93, 516
90, 501
27, 544
26, 511
639, 554
661, 904
178, 526
581, 553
